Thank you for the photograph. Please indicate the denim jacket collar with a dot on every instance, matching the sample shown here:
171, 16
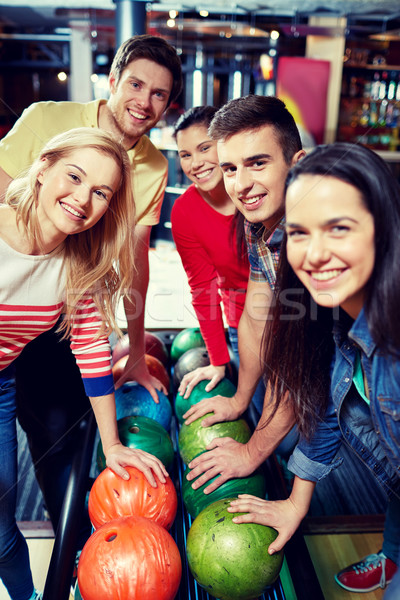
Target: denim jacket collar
358, 331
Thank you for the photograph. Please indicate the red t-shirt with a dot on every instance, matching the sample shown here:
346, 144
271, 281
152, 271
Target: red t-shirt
208, 253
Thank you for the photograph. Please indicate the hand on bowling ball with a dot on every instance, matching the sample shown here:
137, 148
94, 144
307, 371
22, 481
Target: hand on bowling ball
214, 373
119, 456
137, 370
282, 515
222, 407
226, 459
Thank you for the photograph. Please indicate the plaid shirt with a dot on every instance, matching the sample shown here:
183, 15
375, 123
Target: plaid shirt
263, 252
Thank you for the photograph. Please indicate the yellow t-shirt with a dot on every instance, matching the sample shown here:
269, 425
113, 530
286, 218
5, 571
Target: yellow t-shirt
43, 120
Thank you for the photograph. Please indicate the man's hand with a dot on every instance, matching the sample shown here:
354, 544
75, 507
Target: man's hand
226, 458
137, 370
282, 515
214, 374
223, 409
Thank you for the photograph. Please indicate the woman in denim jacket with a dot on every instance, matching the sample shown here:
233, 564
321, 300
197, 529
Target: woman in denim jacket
340, 274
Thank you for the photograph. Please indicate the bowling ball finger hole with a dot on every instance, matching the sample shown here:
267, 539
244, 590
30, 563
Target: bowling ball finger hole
111, 537
134, 429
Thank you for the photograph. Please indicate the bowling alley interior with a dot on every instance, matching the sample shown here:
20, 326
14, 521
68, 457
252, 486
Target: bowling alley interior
336, 65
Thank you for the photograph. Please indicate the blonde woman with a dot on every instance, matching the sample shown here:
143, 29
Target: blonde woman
63, 229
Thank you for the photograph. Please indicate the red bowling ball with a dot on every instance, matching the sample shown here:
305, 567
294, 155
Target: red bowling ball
112, 497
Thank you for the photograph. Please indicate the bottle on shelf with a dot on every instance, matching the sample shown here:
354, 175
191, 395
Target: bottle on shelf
391, 90
394, 143
375, 86
382, 113
373, 115
383, 86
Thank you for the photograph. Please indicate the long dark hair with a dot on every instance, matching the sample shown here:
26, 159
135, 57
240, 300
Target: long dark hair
203, 115
298, 343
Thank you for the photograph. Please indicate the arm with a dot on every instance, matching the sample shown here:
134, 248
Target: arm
92, 353
226, 457
229, 459
136, 368
250, 331
284, 515
190, 225
117, 455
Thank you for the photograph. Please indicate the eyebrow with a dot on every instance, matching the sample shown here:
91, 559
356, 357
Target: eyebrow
329, 222
107, 187
248, 159
207, 141
159, 89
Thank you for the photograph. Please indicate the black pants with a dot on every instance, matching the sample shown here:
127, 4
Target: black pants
51, 402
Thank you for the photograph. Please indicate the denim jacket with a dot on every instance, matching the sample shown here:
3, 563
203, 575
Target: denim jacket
373, 431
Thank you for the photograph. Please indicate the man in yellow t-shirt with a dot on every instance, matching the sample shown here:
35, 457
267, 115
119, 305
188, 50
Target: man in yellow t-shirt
145, 77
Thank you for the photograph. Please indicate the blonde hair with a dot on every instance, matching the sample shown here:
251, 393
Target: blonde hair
99, 261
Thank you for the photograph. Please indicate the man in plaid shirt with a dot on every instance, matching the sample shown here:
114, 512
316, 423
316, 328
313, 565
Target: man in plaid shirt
257, 143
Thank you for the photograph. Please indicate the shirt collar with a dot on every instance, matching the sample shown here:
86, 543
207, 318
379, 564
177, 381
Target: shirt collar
275, 239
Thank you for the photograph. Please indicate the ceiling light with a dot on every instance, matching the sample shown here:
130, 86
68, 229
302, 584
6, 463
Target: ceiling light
173, 14
274, 34
171, 23
203, 13
62, 76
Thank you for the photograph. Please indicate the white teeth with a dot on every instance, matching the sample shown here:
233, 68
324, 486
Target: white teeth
325, 275
72, 211
251, 200
137, 115
204, 174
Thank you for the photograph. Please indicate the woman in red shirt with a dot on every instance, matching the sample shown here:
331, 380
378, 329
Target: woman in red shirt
208, 233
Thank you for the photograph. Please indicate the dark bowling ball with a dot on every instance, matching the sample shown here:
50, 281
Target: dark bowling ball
156, 347
153, 346
120, 349
185, 340
134, 399
190, 360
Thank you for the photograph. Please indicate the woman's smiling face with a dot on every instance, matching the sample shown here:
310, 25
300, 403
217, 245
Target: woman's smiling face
75, 192
331, 245
198, 157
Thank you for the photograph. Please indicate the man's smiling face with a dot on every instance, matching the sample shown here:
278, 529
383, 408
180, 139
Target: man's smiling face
138, 100
255, 171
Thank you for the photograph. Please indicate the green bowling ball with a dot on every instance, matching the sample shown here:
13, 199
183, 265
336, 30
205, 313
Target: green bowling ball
185, 340
223, 388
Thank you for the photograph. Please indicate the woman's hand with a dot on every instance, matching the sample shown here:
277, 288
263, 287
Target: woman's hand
222, 408
282, 515
214, 374
137, 370
119, 456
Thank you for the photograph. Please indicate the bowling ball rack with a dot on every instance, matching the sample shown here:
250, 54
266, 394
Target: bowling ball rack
304, 580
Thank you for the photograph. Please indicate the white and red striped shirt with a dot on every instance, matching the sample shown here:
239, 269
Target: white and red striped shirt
32, 296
